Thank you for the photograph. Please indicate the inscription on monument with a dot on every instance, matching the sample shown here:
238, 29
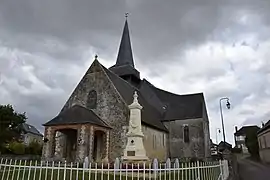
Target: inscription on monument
131, 153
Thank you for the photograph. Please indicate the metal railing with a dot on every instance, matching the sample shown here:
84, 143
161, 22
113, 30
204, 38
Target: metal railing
32, 170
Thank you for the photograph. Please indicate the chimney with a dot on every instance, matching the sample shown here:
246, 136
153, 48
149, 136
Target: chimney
236, 129
262, 124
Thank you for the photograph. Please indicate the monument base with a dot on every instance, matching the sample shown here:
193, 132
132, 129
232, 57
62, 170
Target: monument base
135, 159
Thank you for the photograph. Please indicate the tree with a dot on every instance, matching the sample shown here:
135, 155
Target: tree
9, 123
251, 142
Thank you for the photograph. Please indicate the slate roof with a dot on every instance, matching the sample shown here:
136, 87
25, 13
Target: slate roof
125, 63
245, 129
177, 107
226, 145
27, 128
76, 115
150, 115
265, 127
159, 105
125, 56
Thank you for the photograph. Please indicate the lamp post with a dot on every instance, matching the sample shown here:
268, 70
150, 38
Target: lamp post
228, 105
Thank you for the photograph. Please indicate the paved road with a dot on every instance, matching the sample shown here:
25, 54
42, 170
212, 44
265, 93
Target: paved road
250, 170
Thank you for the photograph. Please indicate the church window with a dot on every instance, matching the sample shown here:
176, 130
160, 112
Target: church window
91, 100
164, 138
154, 141
186, 134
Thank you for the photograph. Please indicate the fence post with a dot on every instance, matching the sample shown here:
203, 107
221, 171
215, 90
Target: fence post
155, 167
227, 169
221, 169
198, 171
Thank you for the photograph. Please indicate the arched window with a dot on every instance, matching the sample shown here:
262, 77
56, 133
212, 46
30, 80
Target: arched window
91, 100
186, 134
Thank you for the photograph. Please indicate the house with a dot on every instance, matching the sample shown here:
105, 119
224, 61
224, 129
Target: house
264, 142
224, 146
30, 134
94, 121
214, 149
240, 135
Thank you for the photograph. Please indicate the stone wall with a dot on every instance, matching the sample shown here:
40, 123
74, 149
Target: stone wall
206, 130
196, 145
155, 143
110, 106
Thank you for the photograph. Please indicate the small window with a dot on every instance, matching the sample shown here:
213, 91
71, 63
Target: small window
186, 134
92, 100
164, 137
154, 141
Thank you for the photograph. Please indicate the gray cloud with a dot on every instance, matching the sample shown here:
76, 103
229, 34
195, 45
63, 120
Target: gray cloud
46, 47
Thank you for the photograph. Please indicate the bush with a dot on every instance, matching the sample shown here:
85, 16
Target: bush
17, 148
34, 148
4, 149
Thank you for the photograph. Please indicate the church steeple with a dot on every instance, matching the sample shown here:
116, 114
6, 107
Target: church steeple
124, 66
125, 56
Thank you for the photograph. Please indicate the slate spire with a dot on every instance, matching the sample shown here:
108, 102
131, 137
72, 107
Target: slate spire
125, 56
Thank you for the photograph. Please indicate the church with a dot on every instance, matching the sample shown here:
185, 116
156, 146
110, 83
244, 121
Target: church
94, 121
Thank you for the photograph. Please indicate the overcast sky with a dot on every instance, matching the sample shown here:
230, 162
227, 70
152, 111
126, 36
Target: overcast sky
217, 47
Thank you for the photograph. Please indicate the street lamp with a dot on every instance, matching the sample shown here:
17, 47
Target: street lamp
228, 105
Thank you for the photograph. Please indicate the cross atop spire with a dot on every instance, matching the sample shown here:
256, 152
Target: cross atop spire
126, 15
125, 56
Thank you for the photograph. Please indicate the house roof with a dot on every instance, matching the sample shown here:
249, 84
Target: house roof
245, 129
76, 115
265, 127
27, 128
222, 146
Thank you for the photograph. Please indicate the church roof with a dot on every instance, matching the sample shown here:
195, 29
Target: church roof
150, 115
188, 106
159, 105
125, 56
76, 115
165, 105
124, 63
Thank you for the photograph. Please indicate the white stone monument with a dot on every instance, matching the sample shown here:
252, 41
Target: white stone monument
134, 150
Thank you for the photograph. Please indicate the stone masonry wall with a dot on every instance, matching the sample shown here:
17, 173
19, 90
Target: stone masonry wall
196, 145
155, 143
206, 132
110, 106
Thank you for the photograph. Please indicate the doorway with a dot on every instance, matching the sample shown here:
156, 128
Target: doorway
99, 145
70, 146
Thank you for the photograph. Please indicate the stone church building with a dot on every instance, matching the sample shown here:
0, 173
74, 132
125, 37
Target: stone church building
94, 121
